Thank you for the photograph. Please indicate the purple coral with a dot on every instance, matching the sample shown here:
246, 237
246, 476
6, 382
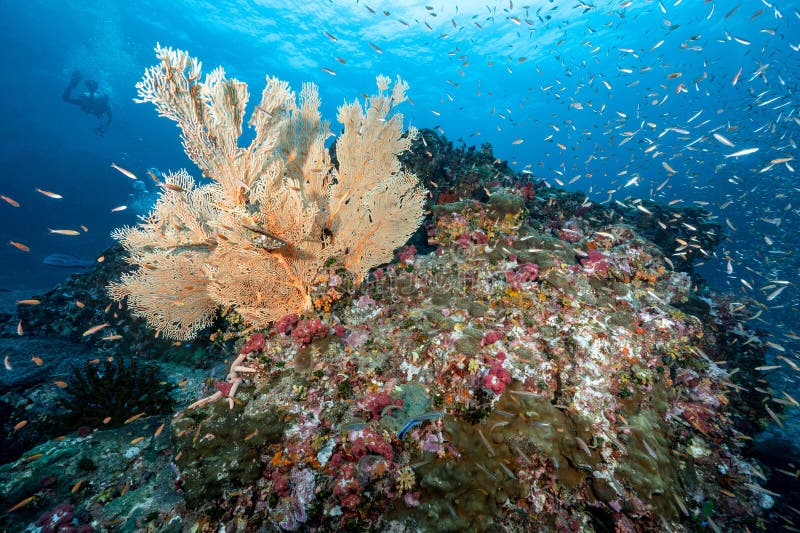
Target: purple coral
61, 519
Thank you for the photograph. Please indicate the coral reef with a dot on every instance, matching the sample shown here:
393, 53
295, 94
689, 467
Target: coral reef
117, 479
53, 347
277, 213
510, 379
535, 363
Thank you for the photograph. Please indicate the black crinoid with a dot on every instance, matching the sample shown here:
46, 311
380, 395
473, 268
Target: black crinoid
116, 388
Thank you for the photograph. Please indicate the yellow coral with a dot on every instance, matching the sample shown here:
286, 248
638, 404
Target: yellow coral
406, 479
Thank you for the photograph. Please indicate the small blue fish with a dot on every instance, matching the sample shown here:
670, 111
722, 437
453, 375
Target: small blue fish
410, 424
67, 261
417, 420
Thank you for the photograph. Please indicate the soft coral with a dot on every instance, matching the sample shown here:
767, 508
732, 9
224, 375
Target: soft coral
305, 331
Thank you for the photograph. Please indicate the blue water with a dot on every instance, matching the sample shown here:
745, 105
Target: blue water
576, 92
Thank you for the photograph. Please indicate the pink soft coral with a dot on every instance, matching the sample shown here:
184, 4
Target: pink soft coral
524, 273
595, 263
346, 487
498, 377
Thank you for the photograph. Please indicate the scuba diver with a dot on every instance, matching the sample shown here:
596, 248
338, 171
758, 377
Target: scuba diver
89, 102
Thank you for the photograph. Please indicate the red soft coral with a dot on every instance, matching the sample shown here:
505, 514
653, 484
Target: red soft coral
305, 331
369, 441
406, 254
255, 343
378, 403
498, 377
346, 487
285, 324
280, 484
491, 337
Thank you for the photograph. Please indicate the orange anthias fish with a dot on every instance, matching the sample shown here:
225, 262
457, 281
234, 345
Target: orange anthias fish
95, 329
23, 503
11, 201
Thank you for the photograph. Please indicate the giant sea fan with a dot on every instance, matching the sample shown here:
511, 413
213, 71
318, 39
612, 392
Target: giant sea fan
276, 212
